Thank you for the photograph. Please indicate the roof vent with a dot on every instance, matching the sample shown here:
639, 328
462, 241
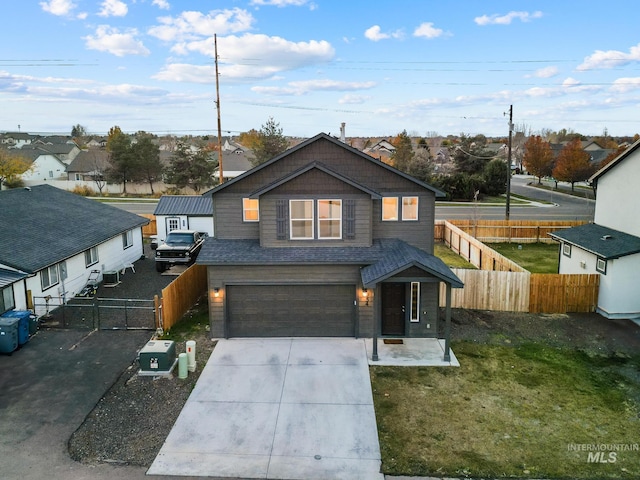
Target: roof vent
606, 237
28, 189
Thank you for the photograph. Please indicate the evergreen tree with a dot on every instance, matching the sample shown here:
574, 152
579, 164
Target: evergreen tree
270, 143
189, 169
147, 158
123, 165
403, 153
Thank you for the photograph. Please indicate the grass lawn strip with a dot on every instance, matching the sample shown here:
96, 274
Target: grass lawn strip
451, 258
508, 412
534, 257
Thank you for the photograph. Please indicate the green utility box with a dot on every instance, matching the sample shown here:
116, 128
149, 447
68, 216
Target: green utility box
157, 357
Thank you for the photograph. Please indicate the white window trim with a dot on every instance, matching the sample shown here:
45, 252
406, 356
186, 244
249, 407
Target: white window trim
331, 219
127, 239
404, 218
414, 314
312, 219
245, 210
601, 265
397, 207
566, 249
171, 219
91, 257
52, 268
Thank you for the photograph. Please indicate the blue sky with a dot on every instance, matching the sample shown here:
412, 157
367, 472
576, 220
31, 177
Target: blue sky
379, 66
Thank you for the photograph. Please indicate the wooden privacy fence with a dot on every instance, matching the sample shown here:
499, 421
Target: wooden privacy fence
521, 231
181, 294
151, 228
503, 285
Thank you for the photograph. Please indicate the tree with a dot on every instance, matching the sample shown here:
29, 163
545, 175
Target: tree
188, 169
123, 164
147, 159
403, 153
612, 156
495, 177
78, 131
11, 166
421, 165
573, 164
538, 157
250, 139
470, 155
270, 142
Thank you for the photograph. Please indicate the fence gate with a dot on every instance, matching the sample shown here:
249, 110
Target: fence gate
96, 313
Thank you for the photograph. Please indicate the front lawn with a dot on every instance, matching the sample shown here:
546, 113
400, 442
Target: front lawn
534, 257
527, 411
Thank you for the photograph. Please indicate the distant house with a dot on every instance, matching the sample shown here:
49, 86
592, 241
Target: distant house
45, 165
52, 240
65, 152
324, 240
97, 142
611, 245
16, 139
381, 150
184, 212
88, 165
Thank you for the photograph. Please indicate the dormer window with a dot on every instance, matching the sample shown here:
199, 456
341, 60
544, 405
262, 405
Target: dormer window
329, 219
409, 208
250, 210
306, 224
390, 209
301, 212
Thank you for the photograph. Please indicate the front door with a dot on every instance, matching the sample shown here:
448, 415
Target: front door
393, 309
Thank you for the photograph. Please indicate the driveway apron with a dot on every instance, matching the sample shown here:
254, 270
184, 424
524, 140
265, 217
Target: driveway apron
284, 408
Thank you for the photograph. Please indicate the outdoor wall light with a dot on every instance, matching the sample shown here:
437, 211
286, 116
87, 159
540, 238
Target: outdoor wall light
365, 295
216, 292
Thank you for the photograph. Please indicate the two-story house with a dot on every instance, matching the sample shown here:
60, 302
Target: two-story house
324, 240
611, 245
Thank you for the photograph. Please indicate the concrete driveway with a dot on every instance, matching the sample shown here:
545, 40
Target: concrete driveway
281, 408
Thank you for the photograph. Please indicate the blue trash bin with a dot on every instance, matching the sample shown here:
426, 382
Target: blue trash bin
8, 334
24, 319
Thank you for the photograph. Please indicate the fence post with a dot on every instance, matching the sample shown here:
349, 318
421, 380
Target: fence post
126, 317
156, 309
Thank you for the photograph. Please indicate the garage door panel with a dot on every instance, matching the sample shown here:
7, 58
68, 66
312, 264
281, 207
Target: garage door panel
290, 310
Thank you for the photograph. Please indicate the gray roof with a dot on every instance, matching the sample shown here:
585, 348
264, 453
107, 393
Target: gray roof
195, 205
383, 259
90, 161
604, 242
7, 277
44, 225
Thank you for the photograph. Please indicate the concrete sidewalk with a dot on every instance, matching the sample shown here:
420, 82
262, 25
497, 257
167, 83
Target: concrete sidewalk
278, 408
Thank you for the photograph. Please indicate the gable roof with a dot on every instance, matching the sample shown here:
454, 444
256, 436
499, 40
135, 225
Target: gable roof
619, 159
318, 166
195, 205
44, 225
90, 161
324, 136
604, 242
383, 259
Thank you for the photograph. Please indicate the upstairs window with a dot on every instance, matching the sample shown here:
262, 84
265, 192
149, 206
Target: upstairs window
390, 209
301, 219
91, 257
49, 277
329, 219
250, 210
409, 208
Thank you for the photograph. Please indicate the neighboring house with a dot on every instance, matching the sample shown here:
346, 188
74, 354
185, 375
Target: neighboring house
382, 150
97, 142
183, 212
51, 241
88, 165
63, 151
324, 240
611, 245
44, 165
16, 139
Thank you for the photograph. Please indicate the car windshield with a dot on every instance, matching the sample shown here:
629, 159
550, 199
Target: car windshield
180, 238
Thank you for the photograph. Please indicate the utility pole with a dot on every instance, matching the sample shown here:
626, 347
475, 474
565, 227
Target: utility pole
220, 169
509, 164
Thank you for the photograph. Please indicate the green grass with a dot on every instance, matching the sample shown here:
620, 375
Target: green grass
451, 258
193, 322
508, 412
534, 257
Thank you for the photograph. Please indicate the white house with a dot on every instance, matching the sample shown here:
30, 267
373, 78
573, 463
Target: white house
52, 240
184, 212
611, 245
44, 165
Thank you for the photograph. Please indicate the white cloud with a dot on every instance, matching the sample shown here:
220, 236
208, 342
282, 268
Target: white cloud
497, 19
111, 40
282, 3
427, 30
546, 72
624, 85
113, 8
350, 99
192, 25
610, 59
162, 4
184, 72
375, 34
58, 7
305, 86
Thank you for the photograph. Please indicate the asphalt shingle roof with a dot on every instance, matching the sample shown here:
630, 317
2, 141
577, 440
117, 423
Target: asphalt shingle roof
7, 277
383, 259
604, 242
44, 225
195, 205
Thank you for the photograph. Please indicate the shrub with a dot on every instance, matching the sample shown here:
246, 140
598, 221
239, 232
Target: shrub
84, 190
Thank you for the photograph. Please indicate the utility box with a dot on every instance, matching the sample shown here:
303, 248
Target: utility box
111, 278
8, 334
157, 357
24, 318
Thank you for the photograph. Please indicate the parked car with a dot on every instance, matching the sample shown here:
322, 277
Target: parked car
180, 247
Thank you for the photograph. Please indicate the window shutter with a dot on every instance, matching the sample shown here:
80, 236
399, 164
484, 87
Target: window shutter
281, 219
350, 218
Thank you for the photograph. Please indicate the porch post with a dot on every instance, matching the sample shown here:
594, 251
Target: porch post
447, 328
374, 355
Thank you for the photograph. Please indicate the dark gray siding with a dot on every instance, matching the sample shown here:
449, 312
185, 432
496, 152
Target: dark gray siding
417, 233
428, 324
228, 218
291, 310
288, 275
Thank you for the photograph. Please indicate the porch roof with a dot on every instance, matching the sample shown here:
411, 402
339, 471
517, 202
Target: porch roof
7, 277
384, 258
